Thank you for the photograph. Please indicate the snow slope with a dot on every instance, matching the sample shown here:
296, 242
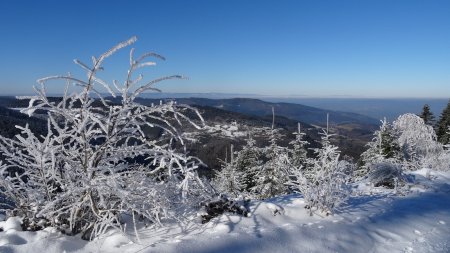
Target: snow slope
375, 220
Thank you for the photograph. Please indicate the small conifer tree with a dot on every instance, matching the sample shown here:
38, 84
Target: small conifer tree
326, 188
298, 154
383, 146
248, 161
443, 125
427, 115
230, 180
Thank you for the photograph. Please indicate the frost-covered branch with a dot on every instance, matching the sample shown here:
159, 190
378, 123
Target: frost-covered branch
98, 160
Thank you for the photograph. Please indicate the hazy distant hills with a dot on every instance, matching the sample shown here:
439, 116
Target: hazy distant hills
9, 119
376, 108
352, 131
256, 107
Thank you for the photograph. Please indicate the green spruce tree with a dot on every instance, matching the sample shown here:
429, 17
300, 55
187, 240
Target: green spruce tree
427, 115
383, 146
443, 125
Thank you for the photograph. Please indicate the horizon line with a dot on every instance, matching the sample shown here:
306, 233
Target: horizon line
243, 95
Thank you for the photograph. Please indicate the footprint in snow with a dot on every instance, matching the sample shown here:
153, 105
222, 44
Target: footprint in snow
12, 239
417, 232
319, 227
442, 222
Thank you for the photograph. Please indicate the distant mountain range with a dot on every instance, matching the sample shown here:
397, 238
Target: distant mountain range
377, 108
352, 131
256, 107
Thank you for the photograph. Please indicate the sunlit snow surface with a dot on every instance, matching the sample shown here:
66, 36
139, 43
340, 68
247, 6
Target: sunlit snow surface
376, 220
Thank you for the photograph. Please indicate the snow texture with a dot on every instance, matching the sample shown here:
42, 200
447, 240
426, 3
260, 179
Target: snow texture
376, 220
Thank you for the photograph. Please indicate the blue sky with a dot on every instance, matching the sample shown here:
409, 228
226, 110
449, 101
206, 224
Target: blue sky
371, 48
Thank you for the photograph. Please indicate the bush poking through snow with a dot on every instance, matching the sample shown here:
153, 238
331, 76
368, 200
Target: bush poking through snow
386, 174
85, 173
221, 205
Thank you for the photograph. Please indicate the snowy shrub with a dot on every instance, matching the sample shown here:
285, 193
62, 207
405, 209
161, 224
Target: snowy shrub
84, 175
387, 174
437, 161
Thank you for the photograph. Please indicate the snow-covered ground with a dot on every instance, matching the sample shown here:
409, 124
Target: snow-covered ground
375, 220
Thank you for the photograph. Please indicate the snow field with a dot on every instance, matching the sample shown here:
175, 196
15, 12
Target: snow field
373, 221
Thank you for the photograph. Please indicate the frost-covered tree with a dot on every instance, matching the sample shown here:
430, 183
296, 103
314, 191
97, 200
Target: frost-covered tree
84, 175
230, 179
427, 115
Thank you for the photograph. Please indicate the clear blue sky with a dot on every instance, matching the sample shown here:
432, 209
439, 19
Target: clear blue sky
361, 48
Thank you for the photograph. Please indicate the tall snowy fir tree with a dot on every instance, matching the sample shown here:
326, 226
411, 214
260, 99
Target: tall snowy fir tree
427, 115
443, 125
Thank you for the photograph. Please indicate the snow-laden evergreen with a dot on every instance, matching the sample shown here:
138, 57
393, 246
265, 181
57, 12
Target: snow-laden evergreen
298, 153
382, 147
273, 174
85, 174
327, 187
248, 162
230, 180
